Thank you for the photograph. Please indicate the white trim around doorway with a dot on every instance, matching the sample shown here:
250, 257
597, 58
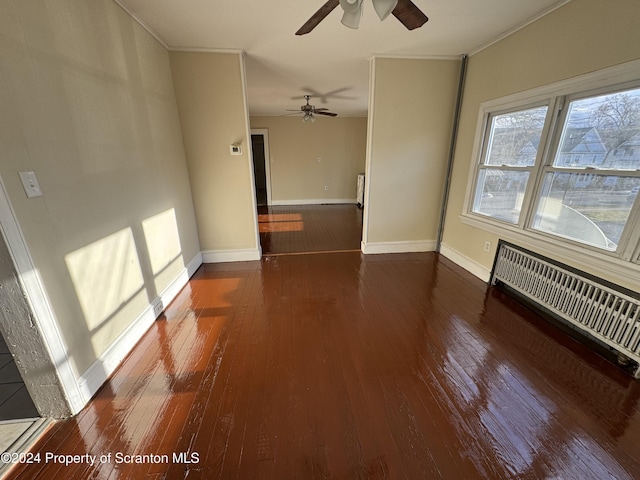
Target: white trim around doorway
44, 316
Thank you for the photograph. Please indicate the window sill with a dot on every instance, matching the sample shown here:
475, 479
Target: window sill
584, 258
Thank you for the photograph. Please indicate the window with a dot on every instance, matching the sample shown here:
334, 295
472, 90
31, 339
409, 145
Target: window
567, 168
512, 143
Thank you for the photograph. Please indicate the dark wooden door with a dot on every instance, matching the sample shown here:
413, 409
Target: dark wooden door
259, 170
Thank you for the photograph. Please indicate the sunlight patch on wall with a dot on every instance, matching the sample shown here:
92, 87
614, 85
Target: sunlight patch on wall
163, 246
106, 275
163, 241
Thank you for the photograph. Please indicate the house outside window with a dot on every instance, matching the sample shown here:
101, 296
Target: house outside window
511, 147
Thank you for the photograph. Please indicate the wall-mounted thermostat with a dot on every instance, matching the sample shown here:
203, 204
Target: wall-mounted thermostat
235, 149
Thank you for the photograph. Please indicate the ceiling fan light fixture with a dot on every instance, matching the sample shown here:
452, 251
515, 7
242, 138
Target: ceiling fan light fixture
351, 20
384, 7
352, 13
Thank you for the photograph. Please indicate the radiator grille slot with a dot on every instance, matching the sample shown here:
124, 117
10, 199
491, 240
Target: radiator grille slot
606, 312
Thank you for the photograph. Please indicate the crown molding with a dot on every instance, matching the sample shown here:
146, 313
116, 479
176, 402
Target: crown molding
413, 56
236, 51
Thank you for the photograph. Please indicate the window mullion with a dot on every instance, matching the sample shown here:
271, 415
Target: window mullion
543, 159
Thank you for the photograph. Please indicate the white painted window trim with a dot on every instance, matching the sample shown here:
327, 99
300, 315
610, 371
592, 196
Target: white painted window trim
621, 264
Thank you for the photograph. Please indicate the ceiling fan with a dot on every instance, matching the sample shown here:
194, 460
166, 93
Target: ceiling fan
404, 10
309, 111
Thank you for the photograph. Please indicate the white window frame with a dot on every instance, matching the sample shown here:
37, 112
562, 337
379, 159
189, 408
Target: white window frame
623, 262
533, 170
625, 248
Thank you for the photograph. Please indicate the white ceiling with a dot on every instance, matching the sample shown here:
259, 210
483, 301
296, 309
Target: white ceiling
332, 62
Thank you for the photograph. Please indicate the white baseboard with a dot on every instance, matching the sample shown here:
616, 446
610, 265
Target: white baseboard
171, 291
194, 265
222, 256
398, 247
99, 372
314, 201
465, 262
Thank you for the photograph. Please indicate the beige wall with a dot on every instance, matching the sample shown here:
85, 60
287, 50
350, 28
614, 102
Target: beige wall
581, 37
211, 95
411, 116
88, 104
306, 157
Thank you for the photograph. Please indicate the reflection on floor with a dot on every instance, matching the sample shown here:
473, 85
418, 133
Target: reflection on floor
298, 229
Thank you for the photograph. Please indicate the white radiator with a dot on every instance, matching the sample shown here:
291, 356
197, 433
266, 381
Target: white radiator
608, 313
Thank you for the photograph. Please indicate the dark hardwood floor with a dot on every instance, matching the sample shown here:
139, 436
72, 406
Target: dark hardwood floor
346, 366
309, 228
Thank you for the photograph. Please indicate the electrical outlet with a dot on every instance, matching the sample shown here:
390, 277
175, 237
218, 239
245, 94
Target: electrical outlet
487, 246
158, 308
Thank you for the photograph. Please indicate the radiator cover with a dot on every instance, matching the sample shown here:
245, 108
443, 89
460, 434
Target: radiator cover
609, 313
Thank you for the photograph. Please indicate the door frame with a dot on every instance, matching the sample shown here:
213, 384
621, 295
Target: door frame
267, 159
48, 350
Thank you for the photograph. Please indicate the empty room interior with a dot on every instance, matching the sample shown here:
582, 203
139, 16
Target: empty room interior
320, 239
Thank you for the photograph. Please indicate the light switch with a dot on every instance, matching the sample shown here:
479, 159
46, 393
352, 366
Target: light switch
30, 184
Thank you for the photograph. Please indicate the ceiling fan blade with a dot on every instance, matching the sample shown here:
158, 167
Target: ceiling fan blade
317, 17
409, 15
330, 114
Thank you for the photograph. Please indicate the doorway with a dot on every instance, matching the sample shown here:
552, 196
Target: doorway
298, 229
18, 414
261, 171
15, 400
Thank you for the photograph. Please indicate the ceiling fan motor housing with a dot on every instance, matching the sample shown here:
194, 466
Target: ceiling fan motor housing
307, 108
310, 110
